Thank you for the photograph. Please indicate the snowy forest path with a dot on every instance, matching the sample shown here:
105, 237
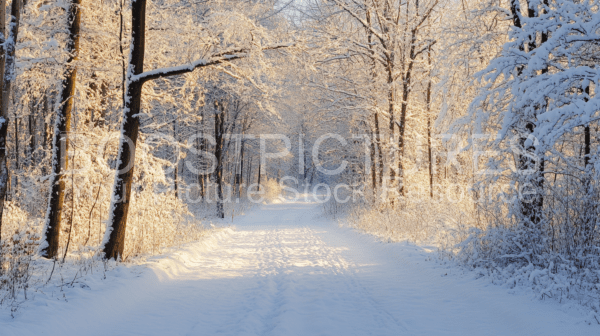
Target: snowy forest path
283, 270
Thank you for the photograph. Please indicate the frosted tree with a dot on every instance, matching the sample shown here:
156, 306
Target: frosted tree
7, 76
382, 59
60, 141
538, 101
232, 43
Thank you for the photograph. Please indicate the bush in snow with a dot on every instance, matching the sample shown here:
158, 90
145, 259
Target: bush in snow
539, 102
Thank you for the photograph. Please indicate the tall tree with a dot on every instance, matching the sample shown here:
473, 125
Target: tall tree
219, 154
7, 76
3, 115
114, 238
395, 40
60, 140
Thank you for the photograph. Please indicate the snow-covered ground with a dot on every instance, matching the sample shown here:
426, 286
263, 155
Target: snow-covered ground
282, 270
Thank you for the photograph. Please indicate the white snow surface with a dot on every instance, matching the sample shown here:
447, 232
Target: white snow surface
283, 270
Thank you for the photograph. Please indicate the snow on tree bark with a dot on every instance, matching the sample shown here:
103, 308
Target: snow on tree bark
60, 141
7, 65
114, 237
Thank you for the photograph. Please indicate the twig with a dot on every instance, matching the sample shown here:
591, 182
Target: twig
53, 264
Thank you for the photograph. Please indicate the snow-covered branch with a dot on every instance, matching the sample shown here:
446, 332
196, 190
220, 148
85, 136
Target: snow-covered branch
190, 67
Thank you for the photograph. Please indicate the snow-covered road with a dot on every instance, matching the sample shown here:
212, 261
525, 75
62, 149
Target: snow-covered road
284, 271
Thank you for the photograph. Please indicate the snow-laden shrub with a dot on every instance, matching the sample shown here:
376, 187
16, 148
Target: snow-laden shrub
272, 189
557, 258
496, 252
537, 111
157, 218
17, 252
156, 214
421, 220
158, 221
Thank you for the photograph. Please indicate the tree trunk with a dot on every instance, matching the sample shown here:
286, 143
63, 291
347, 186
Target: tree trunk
249, 171
3, 115
114, 237
219, 123
241, 172
201, 144
259, 173
532, 205
515, 9
122, 51
373, 163
11, 42
31, 147
47, 127
176, 171
17, 153
589, 207
391, 108
587, 145
587, 148
406, 89
429, 128
377, 138
379, 149
60, 142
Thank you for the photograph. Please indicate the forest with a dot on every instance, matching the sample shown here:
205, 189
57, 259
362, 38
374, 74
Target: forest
130, 127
